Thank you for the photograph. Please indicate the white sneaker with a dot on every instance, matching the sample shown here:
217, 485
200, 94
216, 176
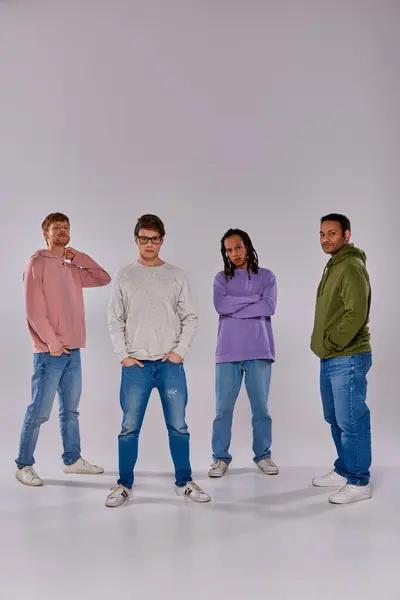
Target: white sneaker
331, 479
351, 493
82, 467
218, 468
28, 476
268, 466
119, 495
192, 491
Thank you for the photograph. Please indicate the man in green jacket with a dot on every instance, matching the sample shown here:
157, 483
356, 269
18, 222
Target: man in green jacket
341, 339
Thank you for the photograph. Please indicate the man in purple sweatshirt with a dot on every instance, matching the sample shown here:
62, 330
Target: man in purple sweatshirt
245, 299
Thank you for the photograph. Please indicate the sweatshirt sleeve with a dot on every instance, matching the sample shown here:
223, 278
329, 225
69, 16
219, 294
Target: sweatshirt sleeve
36, 310
117, 322
91, 273
228, 305
263, 308
355, 294
188, 318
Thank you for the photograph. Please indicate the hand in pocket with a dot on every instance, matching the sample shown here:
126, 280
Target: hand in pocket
129, 362
173, 357
60, 352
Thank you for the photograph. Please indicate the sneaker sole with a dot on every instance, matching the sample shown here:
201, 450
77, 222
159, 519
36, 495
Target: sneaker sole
83, 472
198, 500
269, 472
329, 485
115, 505
192, 499
30, 484
215, 475
351, 501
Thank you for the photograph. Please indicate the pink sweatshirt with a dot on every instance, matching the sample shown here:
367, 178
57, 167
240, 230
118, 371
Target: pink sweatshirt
54, 299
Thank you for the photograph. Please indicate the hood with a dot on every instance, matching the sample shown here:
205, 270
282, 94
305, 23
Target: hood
44, 254
347, 251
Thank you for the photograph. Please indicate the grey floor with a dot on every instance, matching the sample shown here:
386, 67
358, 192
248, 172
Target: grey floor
259, 537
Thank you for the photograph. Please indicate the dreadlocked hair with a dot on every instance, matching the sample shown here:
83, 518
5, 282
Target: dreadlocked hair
252, 256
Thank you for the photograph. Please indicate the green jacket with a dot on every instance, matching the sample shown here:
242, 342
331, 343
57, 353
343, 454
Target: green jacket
343, 305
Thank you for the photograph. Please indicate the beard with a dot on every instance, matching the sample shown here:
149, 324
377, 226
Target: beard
62, 241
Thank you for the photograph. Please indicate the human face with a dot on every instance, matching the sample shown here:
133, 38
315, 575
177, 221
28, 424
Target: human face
58, 234
332, 238
236, 251
149, 243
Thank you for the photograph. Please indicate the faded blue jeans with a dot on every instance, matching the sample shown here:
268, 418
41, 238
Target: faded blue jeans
137, 384
52, 374
229, 378
344, 393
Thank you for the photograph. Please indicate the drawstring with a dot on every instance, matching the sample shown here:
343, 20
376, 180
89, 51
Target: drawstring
321, 286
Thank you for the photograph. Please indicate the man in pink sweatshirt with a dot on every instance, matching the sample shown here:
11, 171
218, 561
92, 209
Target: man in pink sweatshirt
53, 282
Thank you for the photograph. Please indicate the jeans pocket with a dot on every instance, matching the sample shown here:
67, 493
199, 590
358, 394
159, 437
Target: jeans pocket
39, 359
366, 362
52, 358
175, 363
177, 367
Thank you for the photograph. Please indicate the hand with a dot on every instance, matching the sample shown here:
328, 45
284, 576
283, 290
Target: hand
60, 352
129, 362
69, 254
173, 357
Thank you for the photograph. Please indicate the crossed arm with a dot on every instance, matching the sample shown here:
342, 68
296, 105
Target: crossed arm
245, 307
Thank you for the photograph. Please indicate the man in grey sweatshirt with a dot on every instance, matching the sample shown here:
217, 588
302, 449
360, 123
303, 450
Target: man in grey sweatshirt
152, 323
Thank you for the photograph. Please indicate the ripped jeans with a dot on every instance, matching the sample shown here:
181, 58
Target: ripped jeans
137, 384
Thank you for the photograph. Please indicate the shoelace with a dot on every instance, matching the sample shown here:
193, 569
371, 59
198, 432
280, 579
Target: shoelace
119, 488
217, 464
86, 464
193, 487
32, 474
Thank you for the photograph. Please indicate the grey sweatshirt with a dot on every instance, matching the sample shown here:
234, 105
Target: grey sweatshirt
151, 312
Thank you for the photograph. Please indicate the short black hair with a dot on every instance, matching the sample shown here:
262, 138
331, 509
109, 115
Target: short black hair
252, 256
342, 219
151, 222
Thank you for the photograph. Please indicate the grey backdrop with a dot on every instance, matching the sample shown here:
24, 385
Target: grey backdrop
212, 114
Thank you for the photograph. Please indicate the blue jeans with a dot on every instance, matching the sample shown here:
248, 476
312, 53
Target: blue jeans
344, 393
137, 384
52, 374
229, 377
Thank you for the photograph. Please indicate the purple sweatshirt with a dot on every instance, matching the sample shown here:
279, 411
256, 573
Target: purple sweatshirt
245, 307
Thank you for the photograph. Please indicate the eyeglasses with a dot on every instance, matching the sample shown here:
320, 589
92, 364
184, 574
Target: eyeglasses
143, 239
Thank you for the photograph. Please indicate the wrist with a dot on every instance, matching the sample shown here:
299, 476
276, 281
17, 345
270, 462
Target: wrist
54, 349
180, 351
